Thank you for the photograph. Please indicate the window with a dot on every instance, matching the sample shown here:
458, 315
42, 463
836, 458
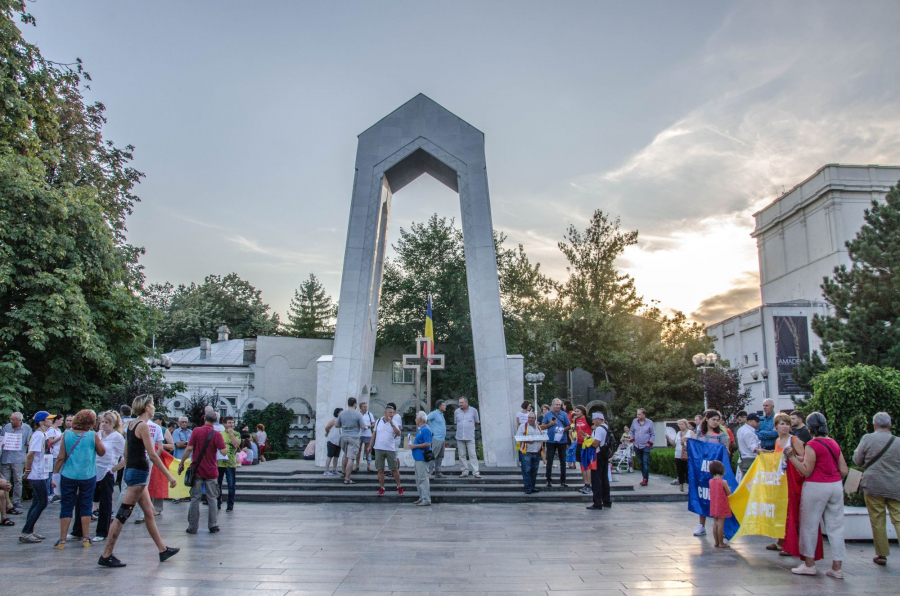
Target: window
755, 357
746, 359
403, 376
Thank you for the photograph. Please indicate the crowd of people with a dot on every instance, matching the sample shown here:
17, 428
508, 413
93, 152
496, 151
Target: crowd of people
83, 462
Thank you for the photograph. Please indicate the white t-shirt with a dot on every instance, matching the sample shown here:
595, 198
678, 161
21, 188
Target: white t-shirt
261, 437
689, 434
599, 435
370, 422
398, 422
52, 433
115, 448
522, 418
384, 436
157, 436
334, 435
38, 470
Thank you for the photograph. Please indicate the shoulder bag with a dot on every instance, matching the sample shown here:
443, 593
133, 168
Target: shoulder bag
191, 472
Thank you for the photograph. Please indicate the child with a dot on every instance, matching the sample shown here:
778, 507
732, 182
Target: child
719, 508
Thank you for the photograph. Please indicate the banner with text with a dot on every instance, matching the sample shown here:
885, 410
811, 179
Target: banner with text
791, 345
699, 456
760, 502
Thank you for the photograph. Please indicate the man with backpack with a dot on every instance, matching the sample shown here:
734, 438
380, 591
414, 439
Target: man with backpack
600, 471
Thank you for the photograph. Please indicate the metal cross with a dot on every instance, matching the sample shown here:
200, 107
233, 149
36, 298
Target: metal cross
432, 362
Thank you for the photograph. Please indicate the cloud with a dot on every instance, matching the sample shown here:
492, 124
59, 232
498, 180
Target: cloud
739, 298
278, 256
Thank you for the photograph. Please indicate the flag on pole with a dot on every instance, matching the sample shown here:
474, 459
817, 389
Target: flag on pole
429, 331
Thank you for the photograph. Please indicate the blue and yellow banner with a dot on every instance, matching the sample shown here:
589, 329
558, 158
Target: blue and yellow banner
699, 456
760, 503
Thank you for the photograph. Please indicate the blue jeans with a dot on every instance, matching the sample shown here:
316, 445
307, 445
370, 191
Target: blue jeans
229, 473
643, 456
38, 504
530, 463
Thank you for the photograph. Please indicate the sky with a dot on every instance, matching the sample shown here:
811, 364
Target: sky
680, 118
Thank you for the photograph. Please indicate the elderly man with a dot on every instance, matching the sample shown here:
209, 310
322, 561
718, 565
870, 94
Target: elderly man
600, 469
556, 422
766, 431
383, 434
643, 435
14, 438
879, 454
438, 426
466, 419
422, 443
181, 436
748, 442
530, 453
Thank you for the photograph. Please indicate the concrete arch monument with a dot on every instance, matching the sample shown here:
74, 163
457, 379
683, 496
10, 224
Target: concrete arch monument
421, 137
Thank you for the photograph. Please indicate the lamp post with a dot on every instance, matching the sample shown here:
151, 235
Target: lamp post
535, 379
705, 362
764, 373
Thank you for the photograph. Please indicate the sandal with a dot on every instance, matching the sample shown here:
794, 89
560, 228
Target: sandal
14, 511
86, 542
60, 544
349, 482
880, 560
773, 547
7, 522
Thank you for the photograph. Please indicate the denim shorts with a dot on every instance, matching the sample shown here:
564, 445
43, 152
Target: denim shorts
76, 490
136, 477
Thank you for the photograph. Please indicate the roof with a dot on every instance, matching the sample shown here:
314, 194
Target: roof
222, 353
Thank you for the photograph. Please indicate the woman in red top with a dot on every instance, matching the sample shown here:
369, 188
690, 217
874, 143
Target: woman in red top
823, 466
582, 431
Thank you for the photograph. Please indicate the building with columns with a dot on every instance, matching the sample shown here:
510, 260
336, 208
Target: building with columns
801, 237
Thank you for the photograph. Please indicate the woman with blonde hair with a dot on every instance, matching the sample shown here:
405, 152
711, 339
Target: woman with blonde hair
77, 466
107, 466
139, 449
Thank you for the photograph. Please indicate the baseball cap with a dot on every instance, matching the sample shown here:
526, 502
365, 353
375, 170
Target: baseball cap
597, 416
752, 416
41, 416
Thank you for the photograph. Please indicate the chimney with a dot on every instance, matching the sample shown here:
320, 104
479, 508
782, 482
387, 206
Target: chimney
205, 347
249, 351
223, 332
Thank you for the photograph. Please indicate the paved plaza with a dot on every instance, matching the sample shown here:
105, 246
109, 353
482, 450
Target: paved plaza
402, 550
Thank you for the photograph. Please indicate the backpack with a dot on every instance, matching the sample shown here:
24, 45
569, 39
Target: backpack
607, 450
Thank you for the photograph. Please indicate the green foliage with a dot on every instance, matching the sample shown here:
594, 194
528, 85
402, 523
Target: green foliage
145, 382
850, 396
71, 323
277, 420
865, 298
12, 373
431, 259
311, 313
187, 313
195, 406
723, 391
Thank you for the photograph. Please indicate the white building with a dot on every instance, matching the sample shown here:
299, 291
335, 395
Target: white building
250, 374
801, 237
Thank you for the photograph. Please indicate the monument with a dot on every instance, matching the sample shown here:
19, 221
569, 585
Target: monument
421, 137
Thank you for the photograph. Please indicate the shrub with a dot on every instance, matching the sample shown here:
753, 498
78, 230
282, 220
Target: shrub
272, 455
662, 461
293, 455
277, 420
849, 396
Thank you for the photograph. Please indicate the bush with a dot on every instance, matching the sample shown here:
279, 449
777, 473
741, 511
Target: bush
293, 455
277, 420
849, 396
271, 455
662, 461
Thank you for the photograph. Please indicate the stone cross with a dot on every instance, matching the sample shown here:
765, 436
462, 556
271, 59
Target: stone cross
416, 361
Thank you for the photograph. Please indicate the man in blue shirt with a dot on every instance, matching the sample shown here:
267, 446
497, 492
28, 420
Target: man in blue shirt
766, 431
181, 436
438, 426
555, 422
419, 446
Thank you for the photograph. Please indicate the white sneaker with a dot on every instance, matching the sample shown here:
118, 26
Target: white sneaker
464, 474
700, 531
803, 569
326, 473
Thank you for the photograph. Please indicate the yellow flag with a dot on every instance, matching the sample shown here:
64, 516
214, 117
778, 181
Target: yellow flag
180, 491
760, 501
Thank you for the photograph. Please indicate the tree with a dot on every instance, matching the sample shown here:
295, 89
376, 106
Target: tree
145, 382
71, 322
195, 406
866, 297
276, 417
723, 391
311, 313
187, 313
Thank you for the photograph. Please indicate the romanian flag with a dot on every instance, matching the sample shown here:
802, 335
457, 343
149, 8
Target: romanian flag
429, 330
159, 487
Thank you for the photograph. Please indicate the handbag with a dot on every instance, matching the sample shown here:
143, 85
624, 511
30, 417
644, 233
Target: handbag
428, 455
191, 472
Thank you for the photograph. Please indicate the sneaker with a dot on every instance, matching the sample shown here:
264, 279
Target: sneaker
586, 490
54, 499
327, 473
417, 501
564, 485
464, 474
400, 491
72, 537
423, 504
110, 561
381, 492
674, 482
700, 531
438, 475
30, 539
98, 539
168, 554
229, 509
477, 475
803, 569
643, 483
835, 573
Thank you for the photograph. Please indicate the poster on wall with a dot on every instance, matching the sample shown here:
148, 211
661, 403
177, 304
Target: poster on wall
791, 345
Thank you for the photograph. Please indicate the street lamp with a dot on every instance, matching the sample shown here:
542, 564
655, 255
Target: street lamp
164, 362
705, 362
535, 379
764, 373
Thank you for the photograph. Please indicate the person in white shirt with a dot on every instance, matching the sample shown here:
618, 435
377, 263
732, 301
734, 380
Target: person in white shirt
466, 419
748, 441
54, 436
522, 417
681, 462
385, 431
365, 436
37, 474
107, 466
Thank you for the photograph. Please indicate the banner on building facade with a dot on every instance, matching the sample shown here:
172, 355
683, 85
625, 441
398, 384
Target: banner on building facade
699, 456
791, 345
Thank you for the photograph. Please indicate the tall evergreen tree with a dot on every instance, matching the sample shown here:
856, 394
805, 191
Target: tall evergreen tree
312, 313
866, 296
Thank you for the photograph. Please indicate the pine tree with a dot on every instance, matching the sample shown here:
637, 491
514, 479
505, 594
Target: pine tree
866, 297
312, 313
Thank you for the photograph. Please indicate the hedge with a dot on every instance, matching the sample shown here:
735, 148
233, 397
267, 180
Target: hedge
662, 461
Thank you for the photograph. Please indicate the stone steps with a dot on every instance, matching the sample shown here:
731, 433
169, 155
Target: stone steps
370, 496
436, 486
